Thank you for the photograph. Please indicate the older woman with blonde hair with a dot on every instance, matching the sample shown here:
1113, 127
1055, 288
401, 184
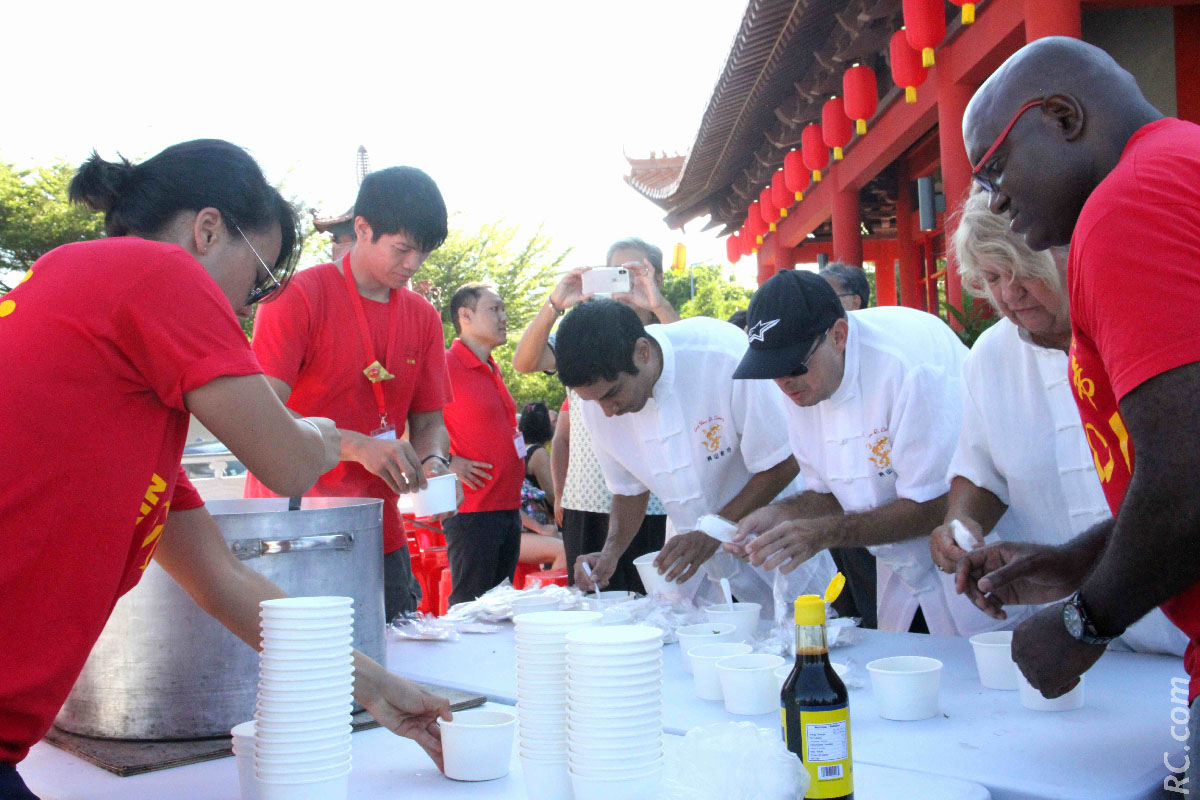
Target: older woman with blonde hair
1023, 469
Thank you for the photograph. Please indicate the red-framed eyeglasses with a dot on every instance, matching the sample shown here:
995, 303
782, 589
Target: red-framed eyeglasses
977, 171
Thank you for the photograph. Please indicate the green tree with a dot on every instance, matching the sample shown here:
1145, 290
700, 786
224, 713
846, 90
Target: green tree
36, 217
523, 272
716, 295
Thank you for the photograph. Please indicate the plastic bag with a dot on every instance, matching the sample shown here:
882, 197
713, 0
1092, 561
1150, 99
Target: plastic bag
733, 761
495, 604
421, 626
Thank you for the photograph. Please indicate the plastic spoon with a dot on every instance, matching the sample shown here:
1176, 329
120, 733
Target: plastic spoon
963, 536
727, 591
587, 570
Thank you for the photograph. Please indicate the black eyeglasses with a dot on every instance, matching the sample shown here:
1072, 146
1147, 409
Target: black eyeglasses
803, 368
265, 287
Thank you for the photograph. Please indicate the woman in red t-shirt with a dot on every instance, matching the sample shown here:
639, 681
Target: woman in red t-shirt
108, 347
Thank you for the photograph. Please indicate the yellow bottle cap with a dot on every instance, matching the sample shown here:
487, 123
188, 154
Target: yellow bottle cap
835, 587
810, 610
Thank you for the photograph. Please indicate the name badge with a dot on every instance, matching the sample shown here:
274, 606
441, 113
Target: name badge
386, 432
519, 444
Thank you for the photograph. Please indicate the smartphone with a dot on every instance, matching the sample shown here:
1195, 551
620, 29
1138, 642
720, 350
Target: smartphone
606, 280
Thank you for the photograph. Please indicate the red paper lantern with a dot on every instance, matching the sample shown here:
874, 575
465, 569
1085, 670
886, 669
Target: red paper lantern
835, 126
746, 240
862, 95
907, 70
733, 248
766, 207
754, 221
780, 195
968, 11
795, 176
816, 154
925, 26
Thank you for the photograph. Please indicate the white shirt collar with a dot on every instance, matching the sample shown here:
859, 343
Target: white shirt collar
666, 380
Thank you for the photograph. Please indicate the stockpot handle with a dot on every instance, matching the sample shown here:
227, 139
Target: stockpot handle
253, 548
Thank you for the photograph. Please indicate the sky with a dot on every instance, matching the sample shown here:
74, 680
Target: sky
521, 110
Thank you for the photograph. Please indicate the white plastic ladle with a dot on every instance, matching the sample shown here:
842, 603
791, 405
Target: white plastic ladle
727, 591
587, 570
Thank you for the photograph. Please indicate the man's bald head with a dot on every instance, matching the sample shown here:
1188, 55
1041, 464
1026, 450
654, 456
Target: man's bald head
1084, 108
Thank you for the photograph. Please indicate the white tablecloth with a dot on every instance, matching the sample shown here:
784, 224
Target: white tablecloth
1112, 749
385, 767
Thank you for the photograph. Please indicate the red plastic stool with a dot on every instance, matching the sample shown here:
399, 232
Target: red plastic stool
545, 577
443, 593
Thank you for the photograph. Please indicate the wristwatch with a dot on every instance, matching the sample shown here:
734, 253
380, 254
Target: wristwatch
1079, 625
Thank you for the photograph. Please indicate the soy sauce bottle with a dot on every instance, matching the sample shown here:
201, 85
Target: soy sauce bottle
815, 707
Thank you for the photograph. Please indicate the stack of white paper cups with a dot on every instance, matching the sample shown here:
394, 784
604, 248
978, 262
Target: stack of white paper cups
542, 698
614, 712
306, 681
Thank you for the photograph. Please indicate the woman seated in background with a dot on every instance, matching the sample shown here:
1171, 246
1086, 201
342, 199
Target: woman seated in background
1023, 469
541, 542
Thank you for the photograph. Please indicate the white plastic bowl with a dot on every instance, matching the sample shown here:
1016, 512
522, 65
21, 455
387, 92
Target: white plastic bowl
748, 683
556, 621
906, 687
329, 789
477, 745
439, 496
704, 670
1032, 699
743, 616
651, 579
704, 633
546, 779
993, 659
528, 605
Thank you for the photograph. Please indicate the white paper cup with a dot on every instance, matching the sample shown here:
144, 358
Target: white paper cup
906, 687
589, 765
243, 751
328, 789
318, 748
640, 706
440, 496
705, 633
743, 616
624, 733
323, 605
654, 582
325, 647
610, 749
546, 779
294, 731
343, 619
477, 745
748, 683
638, 671
1032, 699
704, 669
643, 786
993, 659
613, 687
297, 662
527, 605
302, 766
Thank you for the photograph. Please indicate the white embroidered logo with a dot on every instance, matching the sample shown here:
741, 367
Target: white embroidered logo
759, 328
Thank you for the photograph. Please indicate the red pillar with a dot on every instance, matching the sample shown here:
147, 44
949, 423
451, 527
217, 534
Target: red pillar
910, 294
1053, 18
956, 169
885, 275
847, 228
785, 258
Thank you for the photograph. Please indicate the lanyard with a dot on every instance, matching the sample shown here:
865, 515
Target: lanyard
375, 371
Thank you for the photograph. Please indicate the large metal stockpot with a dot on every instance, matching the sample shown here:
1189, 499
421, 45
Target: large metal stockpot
164, 669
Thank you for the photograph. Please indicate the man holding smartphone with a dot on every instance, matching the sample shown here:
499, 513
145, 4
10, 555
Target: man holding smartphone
581, 499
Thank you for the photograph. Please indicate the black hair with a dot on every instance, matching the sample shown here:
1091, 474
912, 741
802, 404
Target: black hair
595, 342
142, 199
738, 318
652, 253
466, 297
403, 200
535, 423
851, 279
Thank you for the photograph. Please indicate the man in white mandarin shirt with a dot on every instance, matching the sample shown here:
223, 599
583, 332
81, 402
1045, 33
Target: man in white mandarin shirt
873, 421
666, 416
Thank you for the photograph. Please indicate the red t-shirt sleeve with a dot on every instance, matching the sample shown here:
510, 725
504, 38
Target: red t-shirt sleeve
432, 391
181, 334
282, 334
566, 400
185, 497
1140, 264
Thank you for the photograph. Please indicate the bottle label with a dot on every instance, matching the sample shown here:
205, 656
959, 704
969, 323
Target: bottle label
826, 751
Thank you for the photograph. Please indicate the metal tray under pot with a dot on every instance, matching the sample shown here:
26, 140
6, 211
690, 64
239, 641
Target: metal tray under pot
164, 669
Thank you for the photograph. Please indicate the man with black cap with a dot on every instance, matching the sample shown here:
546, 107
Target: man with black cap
666, 416
873, 421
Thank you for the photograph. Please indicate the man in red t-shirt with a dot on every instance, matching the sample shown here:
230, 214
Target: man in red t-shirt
1067, 145
483, 541
352, 340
